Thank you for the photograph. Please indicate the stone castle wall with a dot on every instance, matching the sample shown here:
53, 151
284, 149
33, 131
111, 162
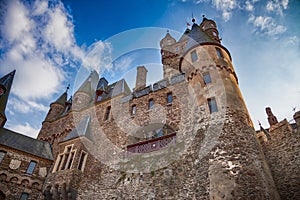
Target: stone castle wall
282, 152
13, 177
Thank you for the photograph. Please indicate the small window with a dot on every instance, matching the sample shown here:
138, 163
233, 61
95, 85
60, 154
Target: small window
177, 49
107, 113
24, 196
206, 78
2, 155
82, 161
212, 104
194, 56
31, 167
133, 110
169, 97
214, 33
219, 53
151, 103
99, 97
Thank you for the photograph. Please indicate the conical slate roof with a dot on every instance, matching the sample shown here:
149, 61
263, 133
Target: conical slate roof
197, 36
62, 99
90, 84
5, 86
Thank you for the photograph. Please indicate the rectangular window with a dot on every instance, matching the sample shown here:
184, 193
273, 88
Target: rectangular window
106, 117
99, 97
2, 155
151, 103
24, 196
194, 56
82, 161
133, 110
58, 162
206, 78
169, 97
31, 167
219, 53
70, 161
212, 104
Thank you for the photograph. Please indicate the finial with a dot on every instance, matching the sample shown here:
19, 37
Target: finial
193, 19
294, 109
259, 123
68, 87
203, 16
167, 30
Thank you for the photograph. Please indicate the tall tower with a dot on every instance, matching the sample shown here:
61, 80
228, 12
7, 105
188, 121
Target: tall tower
5, 86
208, 68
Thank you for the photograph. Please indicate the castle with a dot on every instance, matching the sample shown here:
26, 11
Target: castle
187, 136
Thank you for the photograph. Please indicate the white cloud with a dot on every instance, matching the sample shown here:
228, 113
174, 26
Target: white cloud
277, 6
40, 7
16, 22
226, 6
266, 25
249, 6
25, 129
39, 47
59, 32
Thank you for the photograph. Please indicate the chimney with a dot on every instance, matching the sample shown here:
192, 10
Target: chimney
297, 118
271, 118
141, 77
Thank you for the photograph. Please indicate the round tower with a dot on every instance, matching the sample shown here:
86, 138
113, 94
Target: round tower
86, 93
57, 107
208, 68
210, 27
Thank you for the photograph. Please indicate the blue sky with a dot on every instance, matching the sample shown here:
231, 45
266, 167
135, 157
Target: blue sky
51, 44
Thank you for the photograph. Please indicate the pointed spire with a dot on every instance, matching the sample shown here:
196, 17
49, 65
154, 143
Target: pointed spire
5, 86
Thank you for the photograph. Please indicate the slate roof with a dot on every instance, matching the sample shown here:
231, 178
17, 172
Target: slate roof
6, 82
115, 89
89, 85
62, 99
26, 144
82, 129
197, 36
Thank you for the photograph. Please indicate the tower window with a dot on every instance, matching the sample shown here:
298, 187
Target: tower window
151, 103
133, 110
2, 155
99, 97
219, 53
31, 167
169, 98
212, 104
206, 78
194, 56
24, 196
107, 113
82, 160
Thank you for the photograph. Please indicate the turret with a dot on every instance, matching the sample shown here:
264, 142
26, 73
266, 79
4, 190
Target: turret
57, 107
5, 85
86, 92
210, 27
